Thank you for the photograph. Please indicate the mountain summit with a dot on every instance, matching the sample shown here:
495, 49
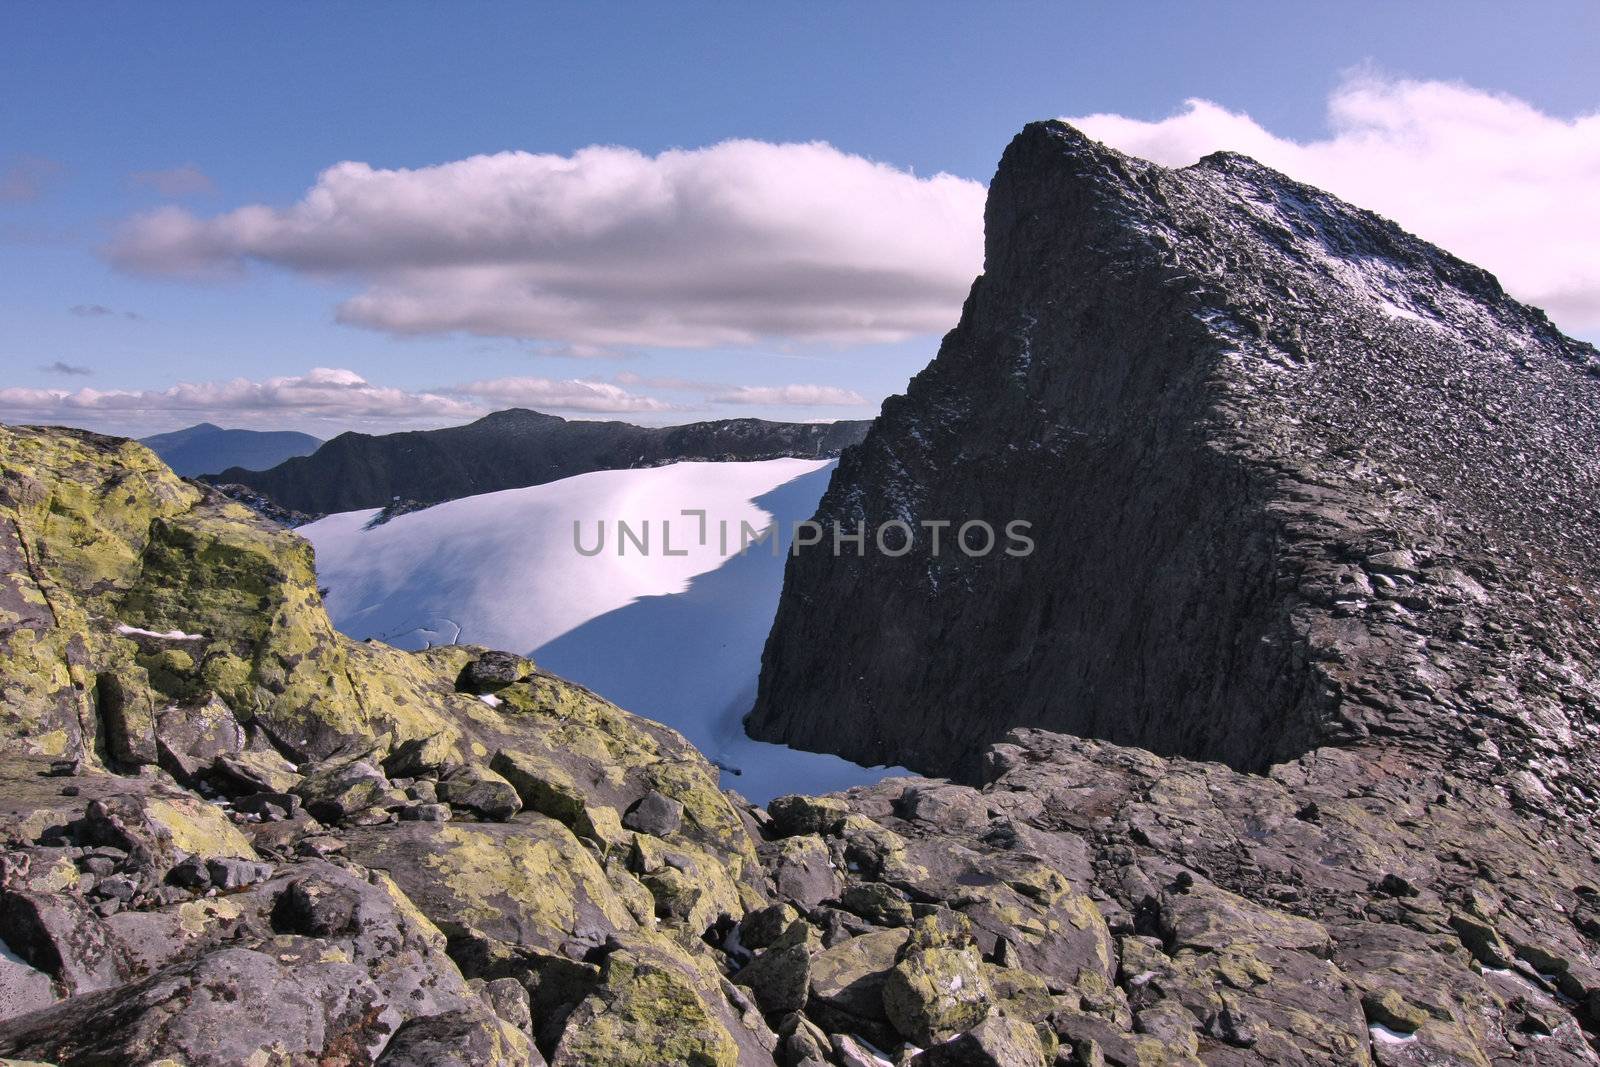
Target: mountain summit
1295, 477
205, 448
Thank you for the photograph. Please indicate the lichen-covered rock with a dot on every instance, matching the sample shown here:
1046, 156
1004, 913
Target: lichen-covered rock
937, 988
255, 771
655, 813
847, 983
492, 671
997, 1042
480, 791
468, 1037
58, 935
780, 977
644, 1013
190, 737
340, 789
161, 830
528, 882
796, 814
802, 870
226, 1007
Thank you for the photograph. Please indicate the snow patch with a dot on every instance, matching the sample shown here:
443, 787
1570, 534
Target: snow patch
171, 635
490, 699
1384, 1035
674, 638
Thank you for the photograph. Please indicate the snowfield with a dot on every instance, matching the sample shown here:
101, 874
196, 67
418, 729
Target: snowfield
676, 638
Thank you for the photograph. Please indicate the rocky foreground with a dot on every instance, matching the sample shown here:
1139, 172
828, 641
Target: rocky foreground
232, 836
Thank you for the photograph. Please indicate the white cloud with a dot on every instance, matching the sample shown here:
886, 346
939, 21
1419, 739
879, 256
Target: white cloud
187, 180
790, 395
326, 395
321, 393
1487, 176
730, 244
570, 394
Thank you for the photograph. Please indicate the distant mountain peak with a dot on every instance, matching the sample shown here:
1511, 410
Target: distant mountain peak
206, 448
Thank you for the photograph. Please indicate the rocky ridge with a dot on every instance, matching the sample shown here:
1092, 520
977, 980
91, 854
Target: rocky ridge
508, 450
1295, 478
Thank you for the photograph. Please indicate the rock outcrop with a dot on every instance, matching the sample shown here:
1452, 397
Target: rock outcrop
508, 450
1294, 478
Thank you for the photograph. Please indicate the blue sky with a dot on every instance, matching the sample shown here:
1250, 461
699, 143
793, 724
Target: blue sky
114, 110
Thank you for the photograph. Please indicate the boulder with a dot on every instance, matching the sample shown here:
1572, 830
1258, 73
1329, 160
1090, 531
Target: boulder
847, 983
159, 831
491, 672
530, 882
644, 1013
802, 870
57, 934
481, 791
996, 1042
655, 814
230, 1006
937, 989
336, 791
780, 978
467, 1037
795, 814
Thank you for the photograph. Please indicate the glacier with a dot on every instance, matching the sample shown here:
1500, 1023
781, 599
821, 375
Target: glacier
677, 638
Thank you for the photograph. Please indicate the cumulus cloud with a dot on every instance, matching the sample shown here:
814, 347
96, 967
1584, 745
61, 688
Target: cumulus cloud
772, 395
323, 392
28, 178
741, 241
187, 180
1487, 176
68, 370
570, 394
790, 395
322, 395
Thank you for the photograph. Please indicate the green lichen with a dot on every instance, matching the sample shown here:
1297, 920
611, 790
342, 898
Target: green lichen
644, 1014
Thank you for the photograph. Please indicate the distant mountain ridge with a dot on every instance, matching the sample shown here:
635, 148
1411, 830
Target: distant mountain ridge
206, 448
515, 448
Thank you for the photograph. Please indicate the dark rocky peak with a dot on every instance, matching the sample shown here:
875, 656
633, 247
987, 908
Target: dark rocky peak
1296, 478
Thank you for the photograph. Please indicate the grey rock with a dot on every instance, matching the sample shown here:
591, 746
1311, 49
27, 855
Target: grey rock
336, 791
478, 789
468, 1037
425, 813
222, 1008
235, 873
491, 671
59, 935
655, 813
996, 1042
802, 870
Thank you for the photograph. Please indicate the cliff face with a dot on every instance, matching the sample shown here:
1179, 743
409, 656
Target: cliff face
1294, 477
511, 449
